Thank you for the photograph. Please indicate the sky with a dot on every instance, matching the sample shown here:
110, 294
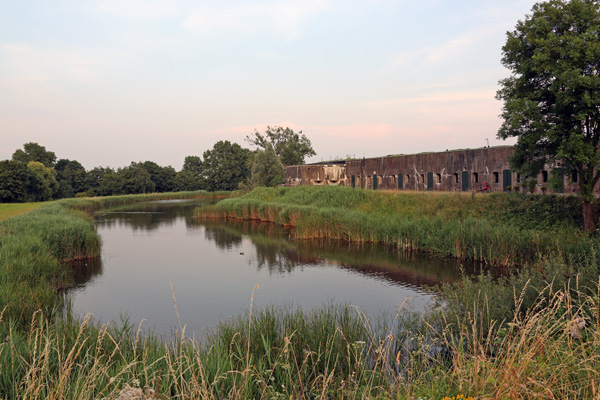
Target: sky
108, 82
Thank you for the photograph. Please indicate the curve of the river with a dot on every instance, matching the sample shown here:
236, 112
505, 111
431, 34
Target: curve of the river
162, 266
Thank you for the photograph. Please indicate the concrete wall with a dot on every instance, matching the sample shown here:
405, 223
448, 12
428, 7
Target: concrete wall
316, 174
453, 170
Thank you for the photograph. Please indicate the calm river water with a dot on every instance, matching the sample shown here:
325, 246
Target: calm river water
212, 267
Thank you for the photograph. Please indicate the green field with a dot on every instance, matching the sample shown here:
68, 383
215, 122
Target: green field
8, 210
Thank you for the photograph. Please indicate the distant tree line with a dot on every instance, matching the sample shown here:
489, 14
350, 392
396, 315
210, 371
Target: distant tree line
35, 174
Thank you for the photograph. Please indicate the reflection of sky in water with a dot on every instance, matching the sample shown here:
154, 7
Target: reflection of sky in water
214, 265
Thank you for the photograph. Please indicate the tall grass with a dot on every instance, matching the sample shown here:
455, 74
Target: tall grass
37, 247
498, 229
331, 352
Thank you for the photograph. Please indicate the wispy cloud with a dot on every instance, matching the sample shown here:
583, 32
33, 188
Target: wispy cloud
25, 63
453, 48
142, 9
437, 98
284, 17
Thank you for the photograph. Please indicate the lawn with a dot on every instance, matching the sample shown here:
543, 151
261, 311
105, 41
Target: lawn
8, 210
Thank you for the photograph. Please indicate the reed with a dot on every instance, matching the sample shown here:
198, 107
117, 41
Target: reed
331, 352
37, 246
497, 229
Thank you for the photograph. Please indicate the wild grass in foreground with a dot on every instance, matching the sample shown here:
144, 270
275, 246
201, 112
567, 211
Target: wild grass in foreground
500, 229
331, 352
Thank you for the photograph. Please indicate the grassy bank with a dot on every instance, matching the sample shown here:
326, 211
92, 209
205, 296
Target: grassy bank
36, 248
498, 229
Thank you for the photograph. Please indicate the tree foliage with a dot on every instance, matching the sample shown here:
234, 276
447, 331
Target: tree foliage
267, 169
191, 175
34, 152
43, 185
291, 147
225, 166
136, 179
552, 98
14, 181
71, 177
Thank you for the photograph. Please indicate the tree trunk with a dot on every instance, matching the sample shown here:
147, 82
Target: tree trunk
590, 216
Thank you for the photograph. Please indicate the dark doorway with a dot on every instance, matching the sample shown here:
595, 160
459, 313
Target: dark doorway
506, 179
430, 181
465, 181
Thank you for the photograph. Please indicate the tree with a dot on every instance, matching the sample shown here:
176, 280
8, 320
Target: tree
71, 177
43, 185
191, 176
552, 98
14, 181
225, 166
291, 147
34, 152
267, 169
136, 179
163, 177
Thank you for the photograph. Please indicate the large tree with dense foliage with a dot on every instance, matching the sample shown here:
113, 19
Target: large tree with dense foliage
71, 177
43, 185
225, 166
163, 177
267, 169
14, 181
136, 179
34, 152
552, 98
191, 175
291, 147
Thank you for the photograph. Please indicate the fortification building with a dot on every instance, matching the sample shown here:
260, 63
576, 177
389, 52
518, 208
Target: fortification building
453, 170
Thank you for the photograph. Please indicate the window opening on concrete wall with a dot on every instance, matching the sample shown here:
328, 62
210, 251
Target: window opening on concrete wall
475, 177
407, 179
544, 176
496, 177
439, 178
455, 178
423, 178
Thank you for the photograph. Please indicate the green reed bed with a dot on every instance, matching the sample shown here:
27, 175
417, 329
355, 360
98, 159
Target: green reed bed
34, 248
37, 247
498, 229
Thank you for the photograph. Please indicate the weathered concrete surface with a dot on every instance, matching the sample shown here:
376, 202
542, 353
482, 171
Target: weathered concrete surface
453, 170
316, 174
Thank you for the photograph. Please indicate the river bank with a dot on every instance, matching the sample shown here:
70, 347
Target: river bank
498, 229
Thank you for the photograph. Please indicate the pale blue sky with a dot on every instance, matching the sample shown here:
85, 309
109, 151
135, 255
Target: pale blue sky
108, 82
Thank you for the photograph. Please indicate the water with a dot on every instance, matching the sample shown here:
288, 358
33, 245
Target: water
161, 266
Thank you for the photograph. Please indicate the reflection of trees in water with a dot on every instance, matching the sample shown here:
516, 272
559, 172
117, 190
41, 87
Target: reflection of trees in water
225, 239
276, 253
147, 216
84, 271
